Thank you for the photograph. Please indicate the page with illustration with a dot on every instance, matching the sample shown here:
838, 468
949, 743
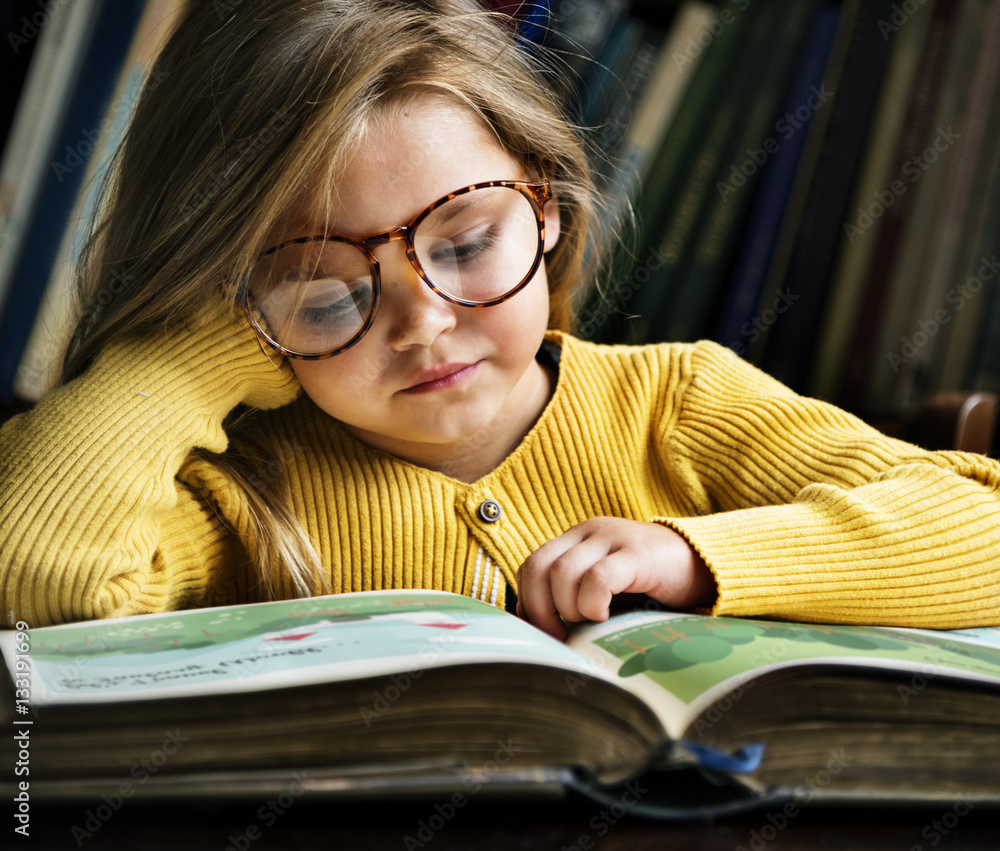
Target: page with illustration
680, 664
277, 644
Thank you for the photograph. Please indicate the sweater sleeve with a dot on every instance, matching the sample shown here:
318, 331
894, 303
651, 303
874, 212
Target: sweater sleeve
809, 514
93, 522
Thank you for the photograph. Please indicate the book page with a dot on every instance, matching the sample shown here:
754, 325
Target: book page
680, 664
273, 645
986, 635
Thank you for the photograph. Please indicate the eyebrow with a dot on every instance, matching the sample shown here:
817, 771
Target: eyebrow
456, 208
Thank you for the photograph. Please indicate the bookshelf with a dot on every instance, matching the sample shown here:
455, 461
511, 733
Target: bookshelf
824, 200
817, 184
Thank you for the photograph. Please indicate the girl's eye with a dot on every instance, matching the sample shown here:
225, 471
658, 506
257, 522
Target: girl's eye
339, 305
463, 248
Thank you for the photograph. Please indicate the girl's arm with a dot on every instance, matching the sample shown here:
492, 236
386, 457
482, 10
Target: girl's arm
818, 517
798, 511
93, 522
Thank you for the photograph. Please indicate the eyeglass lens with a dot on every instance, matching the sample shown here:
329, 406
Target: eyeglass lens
315, 296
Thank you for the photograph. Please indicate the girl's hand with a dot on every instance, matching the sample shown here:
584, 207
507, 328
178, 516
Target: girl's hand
575, 575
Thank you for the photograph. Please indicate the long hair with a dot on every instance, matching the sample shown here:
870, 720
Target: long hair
248, 105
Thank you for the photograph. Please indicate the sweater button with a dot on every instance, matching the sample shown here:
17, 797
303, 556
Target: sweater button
489, 511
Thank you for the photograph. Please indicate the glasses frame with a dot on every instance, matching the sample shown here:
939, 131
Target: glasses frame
538, 194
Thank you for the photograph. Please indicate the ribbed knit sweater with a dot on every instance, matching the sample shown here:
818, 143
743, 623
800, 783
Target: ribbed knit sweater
800, 510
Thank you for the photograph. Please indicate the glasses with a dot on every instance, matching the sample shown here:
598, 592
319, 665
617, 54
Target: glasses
316, 296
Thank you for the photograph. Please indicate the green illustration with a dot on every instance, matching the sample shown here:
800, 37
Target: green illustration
689, 655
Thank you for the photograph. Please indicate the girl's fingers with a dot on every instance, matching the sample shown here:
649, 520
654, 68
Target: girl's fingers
547, 581
610, 575
535, 603
534, 590
550, 582
576, 575
574, 567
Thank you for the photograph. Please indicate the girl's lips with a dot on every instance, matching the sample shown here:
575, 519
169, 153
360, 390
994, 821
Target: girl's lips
441, 378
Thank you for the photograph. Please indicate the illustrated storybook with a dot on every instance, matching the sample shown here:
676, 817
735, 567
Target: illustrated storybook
421, 692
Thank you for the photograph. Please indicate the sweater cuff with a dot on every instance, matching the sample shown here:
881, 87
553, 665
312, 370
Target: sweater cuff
791, 562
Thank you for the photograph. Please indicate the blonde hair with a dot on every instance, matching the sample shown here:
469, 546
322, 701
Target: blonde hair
244, 109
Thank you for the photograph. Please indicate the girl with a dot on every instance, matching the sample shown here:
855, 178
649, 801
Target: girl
324, 348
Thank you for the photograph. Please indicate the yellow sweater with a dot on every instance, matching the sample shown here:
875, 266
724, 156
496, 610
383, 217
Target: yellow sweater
801, 510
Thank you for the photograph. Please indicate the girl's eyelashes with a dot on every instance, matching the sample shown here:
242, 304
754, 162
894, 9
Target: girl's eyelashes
339, 303
326, 315
458, 251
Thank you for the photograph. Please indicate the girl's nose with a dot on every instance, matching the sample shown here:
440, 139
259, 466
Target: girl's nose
415, 314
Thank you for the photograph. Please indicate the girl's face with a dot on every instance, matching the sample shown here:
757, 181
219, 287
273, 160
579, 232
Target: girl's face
448, 387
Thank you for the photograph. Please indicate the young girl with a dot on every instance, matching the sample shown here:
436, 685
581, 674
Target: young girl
324, 348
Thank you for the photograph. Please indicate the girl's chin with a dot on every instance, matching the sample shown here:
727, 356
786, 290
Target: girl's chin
430, 437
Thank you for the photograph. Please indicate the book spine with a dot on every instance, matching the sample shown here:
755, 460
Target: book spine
607, 316
661, 99
735, 321
89, 97
22, 38
804, 175
972, 299
737, 178
638, 68
914, 293
793, 333
578, 31
951, 237
854, 257
602, 81
979, 296
680, 178
854, 385
36, 123
40, 363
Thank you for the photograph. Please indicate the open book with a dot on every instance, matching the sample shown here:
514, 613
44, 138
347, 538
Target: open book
390, 692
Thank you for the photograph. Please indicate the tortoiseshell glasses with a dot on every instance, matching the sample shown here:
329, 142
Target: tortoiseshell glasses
316, 296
